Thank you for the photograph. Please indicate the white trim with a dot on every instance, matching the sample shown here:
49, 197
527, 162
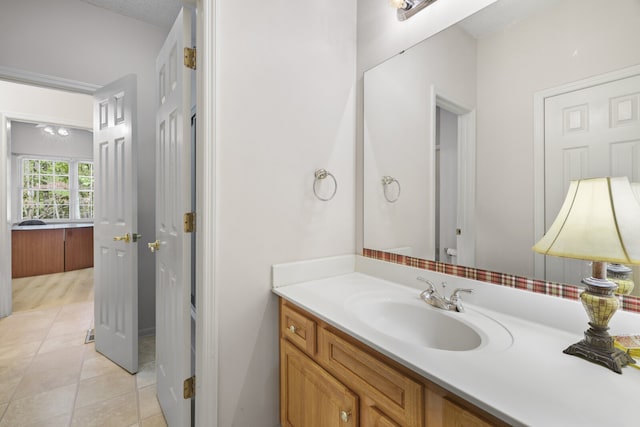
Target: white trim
37, 79
206, 205
466, 171
538, 148
5, 220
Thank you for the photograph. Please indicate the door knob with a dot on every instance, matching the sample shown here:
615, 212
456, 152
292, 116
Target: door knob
126, 238
155, 246
345, 416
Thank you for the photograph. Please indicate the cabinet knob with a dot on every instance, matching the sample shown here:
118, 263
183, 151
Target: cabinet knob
345, 415
155, 246
292, 329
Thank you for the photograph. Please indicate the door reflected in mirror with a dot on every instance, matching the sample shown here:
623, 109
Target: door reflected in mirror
538, 81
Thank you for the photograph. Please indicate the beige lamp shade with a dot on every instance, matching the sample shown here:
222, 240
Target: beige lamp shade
599, 221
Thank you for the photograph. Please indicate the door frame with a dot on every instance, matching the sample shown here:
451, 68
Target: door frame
539, 260
466, 170
206, 218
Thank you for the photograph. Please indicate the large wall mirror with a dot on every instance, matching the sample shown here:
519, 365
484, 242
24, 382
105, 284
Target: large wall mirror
472, 136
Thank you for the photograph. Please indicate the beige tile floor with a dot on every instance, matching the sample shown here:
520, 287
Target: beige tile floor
49, 377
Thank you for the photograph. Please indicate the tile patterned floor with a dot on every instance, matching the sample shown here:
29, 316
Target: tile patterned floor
49, 377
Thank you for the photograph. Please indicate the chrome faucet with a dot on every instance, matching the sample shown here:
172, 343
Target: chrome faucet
432, 297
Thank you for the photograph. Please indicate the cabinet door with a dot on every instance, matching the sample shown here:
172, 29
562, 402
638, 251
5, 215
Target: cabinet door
374, 418
310, 397
36, 252
389, 390
454, 415
78, 248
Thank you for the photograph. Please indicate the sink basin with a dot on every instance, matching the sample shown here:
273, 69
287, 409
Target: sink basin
408, 319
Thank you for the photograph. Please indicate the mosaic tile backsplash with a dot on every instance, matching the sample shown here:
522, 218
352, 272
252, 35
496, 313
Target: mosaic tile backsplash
627, 303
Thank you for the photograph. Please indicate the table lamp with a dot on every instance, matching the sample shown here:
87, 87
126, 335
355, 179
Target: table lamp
599, 222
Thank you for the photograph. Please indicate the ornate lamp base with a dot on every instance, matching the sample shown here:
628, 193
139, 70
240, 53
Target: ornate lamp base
613, 358
600, 304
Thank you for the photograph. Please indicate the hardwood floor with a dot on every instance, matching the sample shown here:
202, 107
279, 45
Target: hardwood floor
52, 290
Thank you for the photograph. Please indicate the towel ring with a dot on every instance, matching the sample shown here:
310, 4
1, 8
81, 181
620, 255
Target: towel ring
386, 182
320, 175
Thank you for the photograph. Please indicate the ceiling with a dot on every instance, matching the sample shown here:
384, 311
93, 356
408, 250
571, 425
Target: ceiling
500, 15
161, 13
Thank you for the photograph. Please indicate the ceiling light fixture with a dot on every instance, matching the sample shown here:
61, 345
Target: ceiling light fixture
54, 130
407, 8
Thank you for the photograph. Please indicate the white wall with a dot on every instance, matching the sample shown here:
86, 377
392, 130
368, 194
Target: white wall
26, 138
74, 40
544, 51
286, 107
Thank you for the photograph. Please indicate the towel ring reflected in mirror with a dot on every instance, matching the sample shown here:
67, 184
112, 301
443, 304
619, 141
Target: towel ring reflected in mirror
320, 175
387, 181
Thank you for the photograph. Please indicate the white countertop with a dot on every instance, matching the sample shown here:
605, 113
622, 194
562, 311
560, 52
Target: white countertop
53, 226
528, 381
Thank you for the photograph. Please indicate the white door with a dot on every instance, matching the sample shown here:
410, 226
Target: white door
115, 223
589, 133
173, 200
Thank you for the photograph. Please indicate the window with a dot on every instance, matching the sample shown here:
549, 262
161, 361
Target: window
85, 190
54, 189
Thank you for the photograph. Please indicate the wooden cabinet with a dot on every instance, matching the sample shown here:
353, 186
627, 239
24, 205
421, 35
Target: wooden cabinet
50, 250
311, 397
35, 252
320, 366
78, 248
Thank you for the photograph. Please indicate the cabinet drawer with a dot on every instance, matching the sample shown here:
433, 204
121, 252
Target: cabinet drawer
393, 393
298, 329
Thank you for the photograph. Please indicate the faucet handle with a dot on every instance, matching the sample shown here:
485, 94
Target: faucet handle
456, 292
431, 287
455, 298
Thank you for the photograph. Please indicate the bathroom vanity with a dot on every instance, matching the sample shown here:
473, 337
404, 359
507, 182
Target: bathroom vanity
358, 347
50, 248
329, 378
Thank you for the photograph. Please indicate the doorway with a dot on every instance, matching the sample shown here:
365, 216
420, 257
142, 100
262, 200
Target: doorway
454, 180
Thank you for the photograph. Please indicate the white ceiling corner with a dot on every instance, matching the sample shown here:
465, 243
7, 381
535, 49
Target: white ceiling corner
161, 13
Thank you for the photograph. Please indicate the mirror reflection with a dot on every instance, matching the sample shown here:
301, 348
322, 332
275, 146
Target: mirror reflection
484, 124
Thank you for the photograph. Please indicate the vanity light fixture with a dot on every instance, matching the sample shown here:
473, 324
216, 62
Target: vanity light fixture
600, 222
408, 8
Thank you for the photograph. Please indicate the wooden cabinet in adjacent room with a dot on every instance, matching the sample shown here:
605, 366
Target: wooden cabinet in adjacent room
35, 252
50, 250
78, 248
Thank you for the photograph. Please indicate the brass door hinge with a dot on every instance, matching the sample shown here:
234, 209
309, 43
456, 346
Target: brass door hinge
190, 57
189, 222
189, 387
